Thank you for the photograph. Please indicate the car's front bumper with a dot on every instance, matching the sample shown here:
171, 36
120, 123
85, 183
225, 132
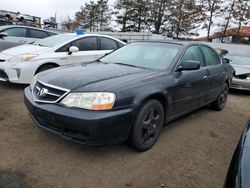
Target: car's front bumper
243, 84
81, 126
17, 72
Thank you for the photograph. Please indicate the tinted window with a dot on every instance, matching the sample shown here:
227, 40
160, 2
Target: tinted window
86, 44
192, 53
38, 34
16, 32
50, 34
108, 44
210, 55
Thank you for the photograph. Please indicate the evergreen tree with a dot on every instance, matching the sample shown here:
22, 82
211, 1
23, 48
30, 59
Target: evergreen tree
123, 13
104, 14
157, 14
140, 14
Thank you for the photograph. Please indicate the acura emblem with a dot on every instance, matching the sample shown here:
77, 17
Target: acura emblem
42, 92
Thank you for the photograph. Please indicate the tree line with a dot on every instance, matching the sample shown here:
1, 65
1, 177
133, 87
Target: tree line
173, 17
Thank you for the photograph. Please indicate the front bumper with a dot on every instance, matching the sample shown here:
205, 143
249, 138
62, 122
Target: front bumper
81, 126
242, 84
16, 72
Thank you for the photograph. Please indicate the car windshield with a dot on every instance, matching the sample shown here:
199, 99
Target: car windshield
157, 56
54, 40
239, 59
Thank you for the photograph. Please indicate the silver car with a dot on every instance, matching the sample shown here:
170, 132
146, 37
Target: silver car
13, 35
239, 57
241, 64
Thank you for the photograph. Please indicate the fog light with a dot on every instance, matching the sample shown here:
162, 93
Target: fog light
18, 72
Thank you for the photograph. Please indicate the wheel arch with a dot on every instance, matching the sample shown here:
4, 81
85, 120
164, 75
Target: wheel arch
159, 97
45, 64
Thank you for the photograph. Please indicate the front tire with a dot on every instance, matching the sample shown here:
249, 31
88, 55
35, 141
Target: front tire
221, 100
147, 126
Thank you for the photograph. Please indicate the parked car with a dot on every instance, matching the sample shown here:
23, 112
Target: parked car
239, 169
21, 63
130, 93
239, 57
14, 35
241, 64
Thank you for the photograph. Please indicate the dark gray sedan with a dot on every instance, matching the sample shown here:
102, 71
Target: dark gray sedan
130, 93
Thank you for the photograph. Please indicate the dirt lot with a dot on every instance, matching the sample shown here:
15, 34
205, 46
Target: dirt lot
193, 151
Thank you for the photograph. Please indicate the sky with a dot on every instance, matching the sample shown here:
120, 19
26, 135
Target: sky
44, 8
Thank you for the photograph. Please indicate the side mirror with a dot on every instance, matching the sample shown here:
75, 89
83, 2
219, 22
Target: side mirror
73, 49
225, 60
108, 53
223, 53
3, 34
189, 65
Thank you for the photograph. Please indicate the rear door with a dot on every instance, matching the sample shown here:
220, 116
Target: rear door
216, 72
190, 86
107, 45
34, 35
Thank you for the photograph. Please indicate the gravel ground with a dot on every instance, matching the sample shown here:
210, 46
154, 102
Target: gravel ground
193, 151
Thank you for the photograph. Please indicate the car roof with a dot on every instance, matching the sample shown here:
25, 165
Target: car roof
179, 42
23, 26
87, 34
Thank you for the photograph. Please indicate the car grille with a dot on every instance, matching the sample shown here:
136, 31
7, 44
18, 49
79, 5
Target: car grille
3, 75
47, 93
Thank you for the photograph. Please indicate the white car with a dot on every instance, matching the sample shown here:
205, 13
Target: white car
19, 64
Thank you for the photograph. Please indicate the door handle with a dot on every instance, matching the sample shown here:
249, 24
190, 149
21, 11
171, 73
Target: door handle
205, 77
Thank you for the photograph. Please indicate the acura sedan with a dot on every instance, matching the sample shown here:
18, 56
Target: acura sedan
20, 64
129, 94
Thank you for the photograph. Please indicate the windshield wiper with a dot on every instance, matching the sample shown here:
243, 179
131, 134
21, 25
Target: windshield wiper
124, 64
41, 45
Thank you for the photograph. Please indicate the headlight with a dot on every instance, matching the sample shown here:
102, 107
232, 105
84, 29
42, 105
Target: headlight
33, 82
90, 100
23, 57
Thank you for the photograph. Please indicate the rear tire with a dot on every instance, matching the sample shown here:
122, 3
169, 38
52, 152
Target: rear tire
147, 127
45, 67
221, 100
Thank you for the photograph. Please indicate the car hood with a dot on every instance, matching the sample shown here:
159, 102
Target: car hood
241, 69
93, 76
23, 49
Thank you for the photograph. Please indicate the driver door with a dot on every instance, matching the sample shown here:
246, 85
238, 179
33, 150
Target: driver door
190, 85
88, 50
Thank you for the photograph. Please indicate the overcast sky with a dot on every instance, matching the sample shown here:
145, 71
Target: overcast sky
44, 8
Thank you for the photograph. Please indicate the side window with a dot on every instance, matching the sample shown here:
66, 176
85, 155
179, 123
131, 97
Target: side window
120, 44
16, 32
192, 53
86, 44
64, 48
50, 34
37, 34
210, 55
107, 44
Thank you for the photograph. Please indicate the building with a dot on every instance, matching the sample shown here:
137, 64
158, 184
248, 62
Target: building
232, 35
